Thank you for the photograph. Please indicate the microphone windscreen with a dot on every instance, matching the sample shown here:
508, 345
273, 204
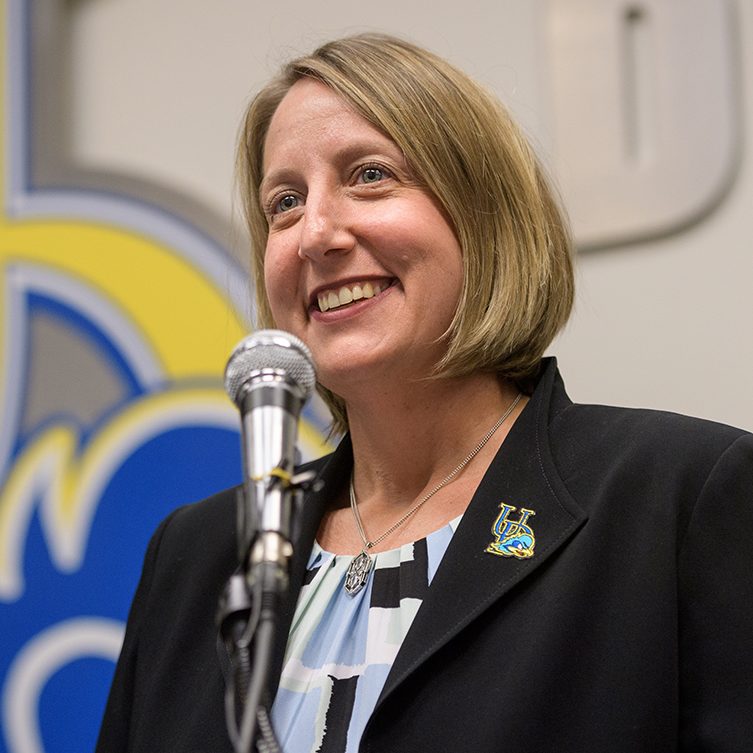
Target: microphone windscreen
270, 349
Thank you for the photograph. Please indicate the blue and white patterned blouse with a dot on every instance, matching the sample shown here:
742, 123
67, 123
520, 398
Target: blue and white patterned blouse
341, 648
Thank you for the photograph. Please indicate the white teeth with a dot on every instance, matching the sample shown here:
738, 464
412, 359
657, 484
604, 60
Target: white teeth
331, 299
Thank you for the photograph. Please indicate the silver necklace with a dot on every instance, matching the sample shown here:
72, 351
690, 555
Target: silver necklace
360, 566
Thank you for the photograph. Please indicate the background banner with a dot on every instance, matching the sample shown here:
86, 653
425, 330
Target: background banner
116, 320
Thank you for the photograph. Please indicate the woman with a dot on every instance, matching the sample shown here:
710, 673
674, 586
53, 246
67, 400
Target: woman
487, 565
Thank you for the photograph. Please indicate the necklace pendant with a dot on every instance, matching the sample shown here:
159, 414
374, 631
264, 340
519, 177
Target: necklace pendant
358, 573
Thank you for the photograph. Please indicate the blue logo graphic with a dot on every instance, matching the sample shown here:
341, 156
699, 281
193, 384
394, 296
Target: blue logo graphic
513, 538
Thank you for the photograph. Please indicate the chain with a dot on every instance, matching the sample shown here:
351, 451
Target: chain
446, 480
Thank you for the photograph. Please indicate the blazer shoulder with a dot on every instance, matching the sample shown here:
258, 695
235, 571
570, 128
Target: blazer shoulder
216, 513
209, 514
641, 426
606, 436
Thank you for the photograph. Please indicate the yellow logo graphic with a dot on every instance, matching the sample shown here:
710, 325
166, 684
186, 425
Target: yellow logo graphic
173, 317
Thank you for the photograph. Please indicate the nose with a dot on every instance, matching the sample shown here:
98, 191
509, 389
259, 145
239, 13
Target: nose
325, 227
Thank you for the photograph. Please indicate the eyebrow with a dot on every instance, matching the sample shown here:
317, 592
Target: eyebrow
282, 175
362, 148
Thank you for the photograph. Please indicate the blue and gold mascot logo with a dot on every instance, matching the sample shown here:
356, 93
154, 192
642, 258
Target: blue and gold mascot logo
116, 317
513, 538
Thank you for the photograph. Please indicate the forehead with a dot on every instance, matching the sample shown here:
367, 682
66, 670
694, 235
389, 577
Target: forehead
312, 113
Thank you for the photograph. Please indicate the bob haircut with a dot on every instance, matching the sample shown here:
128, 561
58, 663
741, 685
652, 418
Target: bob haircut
463, 148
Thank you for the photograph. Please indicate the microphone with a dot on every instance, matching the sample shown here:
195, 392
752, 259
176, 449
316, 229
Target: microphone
269, 376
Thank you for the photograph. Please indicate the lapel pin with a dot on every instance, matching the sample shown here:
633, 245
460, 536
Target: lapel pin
513, 538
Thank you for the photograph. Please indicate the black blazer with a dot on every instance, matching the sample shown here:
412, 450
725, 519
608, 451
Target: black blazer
629, 629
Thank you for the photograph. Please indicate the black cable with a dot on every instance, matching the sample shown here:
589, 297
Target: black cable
268, 742
263, 643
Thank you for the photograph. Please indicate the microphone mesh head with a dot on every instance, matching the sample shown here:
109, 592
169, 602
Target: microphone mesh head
270, 349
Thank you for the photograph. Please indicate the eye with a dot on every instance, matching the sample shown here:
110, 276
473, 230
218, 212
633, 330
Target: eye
281, 206
285, 203
372, 174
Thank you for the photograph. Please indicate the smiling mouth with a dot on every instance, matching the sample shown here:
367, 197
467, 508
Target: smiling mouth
345, 295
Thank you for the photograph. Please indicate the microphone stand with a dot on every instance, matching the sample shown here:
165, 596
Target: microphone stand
247, 613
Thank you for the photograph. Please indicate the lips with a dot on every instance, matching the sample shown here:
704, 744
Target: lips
343, 295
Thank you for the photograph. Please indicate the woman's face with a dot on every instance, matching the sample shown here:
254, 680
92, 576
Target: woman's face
360, 263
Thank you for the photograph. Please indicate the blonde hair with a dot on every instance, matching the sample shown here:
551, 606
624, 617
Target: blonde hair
464, 147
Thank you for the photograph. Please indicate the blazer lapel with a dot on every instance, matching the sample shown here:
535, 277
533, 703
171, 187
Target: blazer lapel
470, 578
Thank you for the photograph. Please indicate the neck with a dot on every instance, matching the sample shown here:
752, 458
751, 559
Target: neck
403, 447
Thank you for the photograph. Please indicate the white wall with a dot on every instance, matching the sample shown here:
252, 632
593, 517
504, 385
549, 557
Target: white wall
157, 88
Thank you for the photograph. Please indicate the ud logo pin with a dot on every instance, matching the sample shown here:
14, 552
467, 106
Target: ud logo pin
514, 538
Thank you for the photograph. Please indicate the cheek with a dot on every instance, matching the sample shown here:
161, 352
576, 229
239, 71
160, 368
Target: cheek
280, 283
